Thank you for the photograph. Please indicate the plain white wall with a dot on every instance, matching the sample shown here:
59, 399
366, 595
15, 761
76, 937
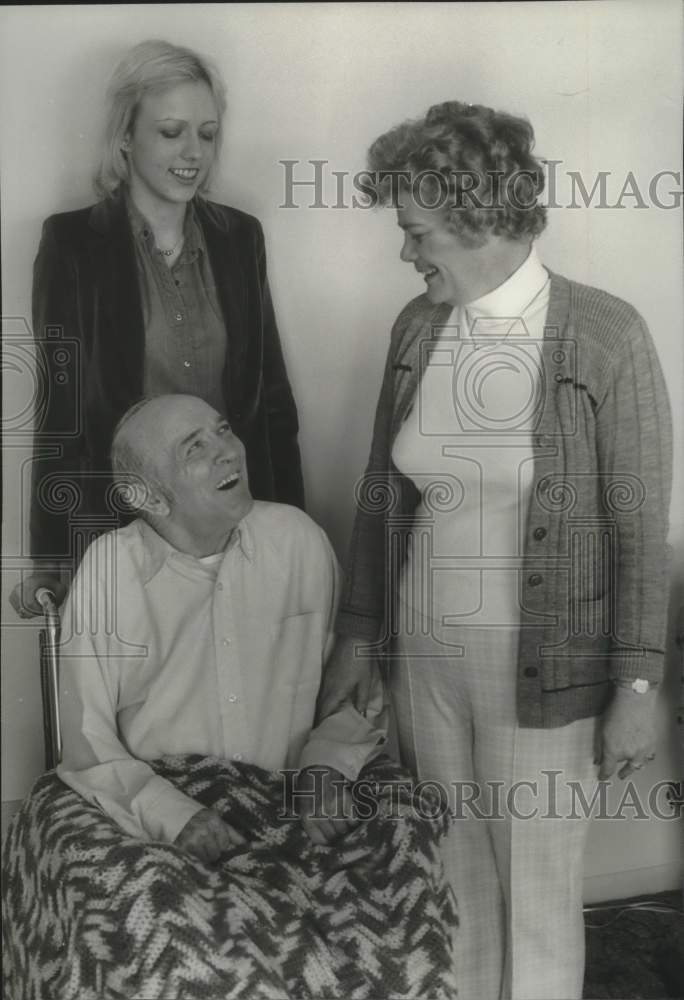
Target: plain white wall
600, 82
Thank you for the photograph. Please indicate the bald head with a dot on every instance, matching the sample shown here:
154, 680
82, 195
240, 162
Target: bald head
133, 452
180, 463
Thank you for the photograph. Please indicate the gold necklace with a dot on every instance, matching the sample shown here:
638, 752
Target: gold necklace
169, 253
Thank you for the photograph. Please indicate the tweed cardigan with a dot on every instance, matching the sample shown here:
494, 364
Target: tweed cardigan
593, 583
90, 339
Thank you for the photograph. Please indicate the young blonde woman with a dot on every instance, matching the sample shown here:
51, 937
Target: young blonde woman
153, 290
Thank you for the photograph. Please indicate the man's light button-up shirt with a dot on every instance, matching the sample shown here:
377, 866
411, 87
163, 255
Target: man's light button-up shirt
221, 655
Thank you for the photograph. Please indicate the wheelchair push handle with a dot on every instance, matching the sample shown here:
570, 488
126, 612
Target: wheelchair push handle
47, 601
49, 677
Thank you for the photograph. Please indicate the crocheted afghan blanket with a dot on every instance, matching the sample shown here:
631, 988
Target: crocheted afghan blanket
91, 912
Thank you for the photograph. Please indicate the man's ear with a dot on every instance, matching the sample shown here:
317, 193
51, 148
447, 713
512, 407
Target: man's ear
154, 501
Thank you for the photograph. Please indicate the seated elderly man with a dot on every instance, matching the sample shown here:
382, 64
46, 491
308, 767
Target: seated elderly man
201, 627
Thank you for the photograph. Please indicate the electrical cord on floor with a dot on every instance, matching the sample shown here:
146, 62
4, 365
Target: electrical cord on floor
646, 905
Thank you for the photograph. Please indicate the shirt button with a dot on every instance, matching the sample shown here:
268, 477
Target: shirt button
186, 364
530, 671
179, 316
237, 756
225, 641
539, 533
535, 579
232, 698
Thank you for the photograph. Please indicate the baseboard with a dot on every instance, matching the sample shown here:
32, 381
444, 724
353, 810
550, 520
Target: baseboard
634, 882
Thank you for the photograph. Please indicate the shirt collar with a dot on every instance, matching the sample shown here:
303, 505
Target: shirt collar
157, 551
516, 294
193, 242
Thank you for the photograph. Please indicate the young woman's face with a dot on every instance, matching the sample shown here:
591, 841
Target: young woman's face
172, 144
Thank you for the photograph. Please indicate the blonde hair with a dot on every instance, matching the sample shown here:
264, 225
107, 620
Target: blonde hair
153, 65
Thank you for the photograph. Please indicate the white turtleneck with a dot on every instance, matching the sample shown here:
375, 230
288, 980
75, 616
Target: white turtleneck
471, 428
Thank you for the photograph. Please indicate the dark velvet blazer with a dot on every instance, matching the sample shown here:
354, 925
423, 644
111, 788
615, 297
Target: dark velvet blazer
90, 339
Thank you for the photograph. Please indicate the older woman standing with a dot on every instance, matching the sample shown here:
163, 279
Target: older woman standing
508, 555
154, 290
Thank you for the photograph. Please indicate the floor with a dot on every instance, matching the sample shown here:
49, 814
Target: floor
636, 953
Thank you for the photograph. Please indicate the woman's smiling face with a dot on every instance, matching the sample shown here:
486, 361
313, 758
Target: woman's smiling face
436, 252
172, 144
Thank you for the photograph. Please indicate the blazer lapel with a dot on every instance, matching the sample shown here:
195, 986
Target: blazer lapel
120, 331
230, 270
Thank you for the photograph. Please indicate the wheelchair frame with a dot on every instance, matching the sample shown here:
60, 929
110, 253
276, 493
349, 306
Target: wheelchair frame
49, 677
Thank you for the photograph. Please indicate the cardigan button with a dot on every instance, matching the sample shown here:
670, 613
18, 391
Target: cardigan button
530, 672
539, 533
535, 579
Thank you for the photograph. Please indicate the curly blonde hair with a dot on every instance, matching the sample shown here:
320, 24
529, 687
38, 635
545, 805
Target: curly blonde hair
475, 162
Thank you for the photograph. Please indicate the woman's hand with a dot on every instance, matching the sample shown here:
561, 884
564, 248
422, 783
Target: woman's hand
627, 732
23, 597
327, 811
346, 676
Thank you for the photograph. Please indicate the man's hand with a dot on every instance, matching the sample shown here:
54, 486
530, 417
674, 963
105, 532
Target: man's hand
627, 732
23, 597
326, 813
345, 675
207, 836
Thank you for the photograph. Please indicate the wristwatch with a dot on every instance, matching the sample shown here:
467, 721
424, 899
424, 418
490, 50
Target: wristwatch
638, 685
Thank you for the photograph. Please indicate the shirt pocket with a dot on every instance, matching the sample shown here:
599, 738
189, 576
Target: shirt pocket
298, 642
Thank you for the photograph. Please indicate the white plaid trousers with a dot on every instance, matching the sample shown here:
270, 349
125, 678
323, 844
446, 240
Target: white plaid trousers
518, 880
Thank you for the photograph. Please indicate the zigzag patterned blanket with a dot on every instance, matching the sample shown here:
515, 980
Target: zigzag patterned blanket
90, 912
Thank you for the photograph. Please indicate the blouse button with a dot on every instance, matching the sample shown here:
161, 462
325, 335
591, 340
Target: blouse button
186, 364
179, 316
539, 533
237, 756
535, 579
